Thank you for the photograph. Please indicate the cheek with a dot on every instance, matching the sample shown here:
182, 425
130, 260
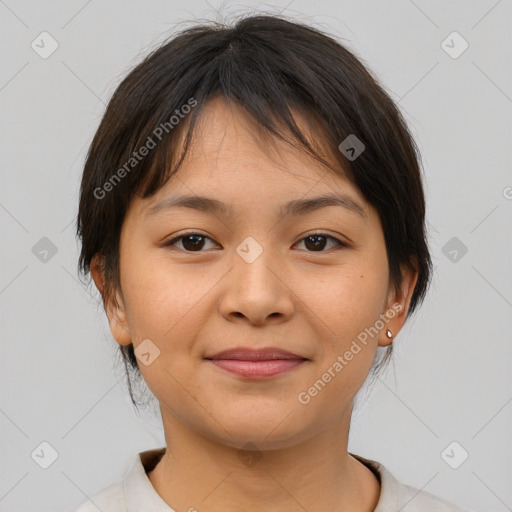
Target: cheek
349, 304
168, 304
163, 297
349, 345
165, 303
351, 296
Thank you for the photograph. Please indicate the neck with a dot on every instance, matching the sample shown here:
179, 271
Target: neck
316, 474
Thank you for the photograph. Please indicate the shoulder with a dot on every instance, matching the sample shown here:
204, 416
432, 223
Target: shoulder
398, 496
412, 499
109, 499
133, 492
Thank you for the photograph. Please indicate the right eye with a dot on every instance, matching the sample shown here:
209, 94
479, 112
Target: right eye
190, 242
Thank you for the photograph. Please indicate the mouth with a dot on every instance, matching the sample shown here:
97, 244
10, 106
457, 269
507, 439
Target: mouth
257, 364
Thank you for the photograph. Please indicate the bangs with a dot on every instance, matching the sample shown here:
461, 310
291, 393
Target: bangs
273, 115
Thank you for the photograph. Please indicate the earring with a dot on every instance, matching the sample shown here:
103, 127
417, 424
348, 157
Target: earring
389, 334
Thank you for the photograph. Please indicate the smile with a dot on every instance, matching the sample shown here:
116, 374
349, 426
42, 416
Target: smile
257, 364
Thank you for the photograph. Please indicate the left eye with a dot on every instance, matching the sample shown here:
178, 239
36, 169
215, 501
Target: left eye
318, 241
194, 242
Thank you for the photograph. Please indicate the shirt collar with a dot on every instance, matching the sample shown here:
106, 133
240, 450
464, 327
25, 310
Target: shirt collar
389, 485
139, 493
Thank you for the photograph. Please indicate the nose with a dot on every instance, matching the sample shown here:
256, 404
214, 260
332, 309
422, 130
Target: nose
257, 291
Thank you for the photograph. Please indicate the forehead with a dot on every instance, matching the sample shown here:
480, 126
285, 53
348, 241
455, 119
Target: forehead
226, 130
231, 158
229, 141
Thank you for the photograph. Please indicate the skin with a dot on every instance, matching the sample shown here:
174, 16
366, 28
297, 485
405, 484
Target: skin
313, 302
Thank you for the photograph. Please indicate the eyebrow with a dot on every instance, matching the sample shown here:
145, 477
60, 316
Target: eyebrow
294, 207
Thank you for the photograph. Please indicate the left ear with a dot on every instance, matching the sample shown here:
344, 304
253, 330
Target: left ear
397, 305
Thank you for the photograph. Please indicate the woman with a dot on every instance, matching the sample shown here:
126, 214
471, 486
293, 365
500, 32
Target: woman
252, 212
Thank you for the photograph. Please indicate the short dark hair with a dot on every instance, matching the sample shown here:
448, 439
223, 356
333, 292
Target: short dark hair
268, 65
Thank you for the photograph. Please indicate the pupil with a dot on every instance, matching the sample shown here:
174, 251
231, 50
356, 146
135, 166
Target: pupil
317, 244
196, 243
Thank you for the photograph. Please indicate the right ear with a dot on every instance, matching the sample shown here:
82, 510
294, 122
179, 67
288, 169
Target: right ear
113, 305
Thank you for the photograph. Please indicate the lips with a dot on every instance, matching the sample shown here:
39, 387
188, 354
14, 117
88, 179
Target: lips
248, 354
256, 363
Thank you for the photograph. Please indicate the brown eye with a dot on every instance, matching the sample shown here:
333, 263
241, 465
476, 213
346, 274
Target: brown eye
318, 242
192, 242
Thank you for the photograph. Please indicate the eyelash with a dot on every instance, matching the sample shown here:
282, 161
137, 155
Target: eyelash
171, 242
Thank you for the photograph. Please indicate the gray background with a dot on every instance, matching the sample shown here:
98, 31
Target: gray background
452, 379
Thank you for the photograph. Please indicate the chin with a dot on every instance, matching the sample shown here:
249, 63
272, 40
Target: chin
266, 428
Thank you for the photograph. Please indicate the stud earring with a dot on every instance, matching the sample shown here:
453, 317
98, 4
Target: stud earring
389, 334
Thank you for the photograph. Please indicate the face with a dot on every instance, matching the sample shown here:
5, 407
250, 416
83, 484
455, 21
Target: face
287, 292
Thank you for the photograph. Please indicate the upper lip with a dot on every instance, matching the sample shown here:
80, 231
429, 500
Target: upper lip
250, 354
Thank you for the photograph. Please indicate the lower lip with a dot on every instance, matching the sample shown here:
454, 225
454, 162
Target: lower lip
257, 369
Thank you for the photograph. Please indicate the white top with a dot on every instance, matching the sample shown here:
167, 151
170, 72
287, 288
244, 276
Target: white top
135, 492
